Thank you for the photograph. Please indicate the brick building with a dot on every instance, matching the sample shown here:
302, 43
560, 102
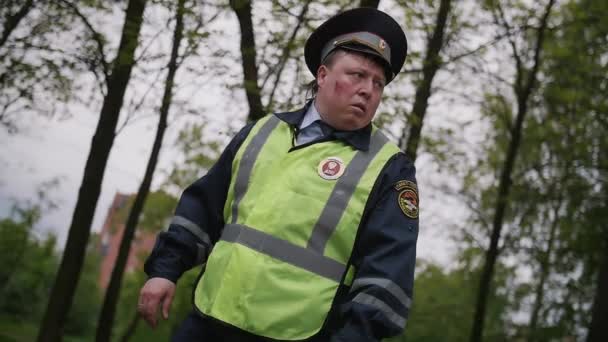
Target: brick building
111, 235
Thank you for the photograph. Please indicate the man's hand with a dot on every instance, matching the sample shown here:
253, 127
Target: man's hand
155, 292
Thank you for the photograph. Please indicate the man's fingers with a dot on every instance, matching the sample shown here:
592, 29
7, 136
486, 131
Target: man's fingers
156, 292
167, 303
146, 316
148, 307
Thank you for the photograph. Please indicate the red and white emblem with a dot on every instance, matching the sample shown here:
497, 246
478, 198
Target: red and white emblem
331, 168
382, 44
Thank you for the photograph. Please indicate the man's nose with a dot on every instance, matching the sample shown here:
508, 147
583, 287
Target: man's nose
366, 87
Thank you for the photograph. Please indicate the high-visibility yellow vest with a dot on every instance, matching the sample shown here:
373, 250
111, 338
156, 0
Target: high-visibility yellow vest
289, 231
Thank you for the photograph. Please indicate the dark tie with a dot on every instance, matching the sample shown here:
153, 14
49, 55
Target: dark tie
327, 129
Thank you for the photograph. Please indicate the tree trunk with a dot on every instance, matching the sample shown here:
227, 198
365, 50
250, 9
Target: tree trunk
68, 274
369, 3
598, 331
108, 310
13, 20
432, 62
242, 8
545, 264
523, 94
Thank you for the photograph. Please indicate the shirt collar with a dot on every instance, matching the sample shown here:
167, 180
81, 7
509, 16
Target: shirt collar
358, 139
311, 116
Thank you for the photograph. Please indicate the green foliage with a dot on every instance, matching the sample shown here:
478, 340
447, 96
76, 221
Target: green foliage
155, 215
157, 211
199, 152
444, 301
82, 318
553, 225
24, 286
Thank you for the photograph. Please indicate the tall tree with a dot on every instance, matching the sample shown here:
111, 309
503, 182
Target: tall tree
598, 331
579, 97
106, 318
242, 8
431, 63
437, 306
525, 83
559, 179
277, 52
68, 274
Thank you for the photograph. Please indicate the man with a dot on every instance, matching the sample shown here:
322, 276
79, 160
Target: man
308, 222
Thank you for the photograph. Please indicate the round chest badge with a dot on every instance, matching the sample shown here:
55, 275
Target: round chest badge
331, 168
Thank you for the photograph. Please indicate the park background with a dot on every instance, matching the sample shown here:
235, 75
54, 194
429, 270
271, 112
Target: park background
108, 109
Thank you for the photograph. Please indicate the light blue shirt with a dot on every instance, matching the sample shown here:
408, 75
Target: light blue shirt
308, 134
311, 116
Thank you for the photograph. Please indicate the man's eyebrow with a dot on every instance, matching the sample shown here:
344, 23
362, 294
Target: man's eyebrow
380, 78
365, 71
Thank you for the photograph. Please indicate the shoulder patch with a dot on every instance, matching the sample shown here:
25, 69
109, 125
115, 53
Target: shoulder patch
408, 198
402, 184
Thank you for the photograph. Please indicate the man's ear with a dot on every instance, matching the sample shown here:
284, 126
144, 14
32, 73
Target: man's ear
321, 75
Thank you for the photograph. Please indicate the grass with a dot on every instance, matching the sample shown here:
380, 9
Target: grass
12, 330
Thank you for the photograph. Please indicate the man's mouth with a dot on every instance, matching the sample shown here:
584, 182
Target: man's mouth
360, 106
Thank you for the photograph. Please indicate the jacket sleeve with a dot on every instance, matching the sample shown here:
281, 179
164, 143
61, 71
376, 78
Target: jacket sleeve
384, 257
198, 219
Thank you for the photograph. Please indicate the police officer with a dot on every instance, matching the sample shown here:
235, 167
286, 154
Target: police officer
307, 224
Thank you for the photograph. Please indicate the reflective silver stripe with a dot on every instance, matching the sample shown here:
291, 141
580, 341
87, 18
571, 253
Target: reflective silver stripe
395, 318
192, 228
248, 160
386, 284
201, 253
285, 251
342, 192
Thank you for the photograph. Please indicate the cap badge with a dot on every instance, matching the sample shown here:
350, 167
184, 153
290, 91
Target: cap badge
382, 44
331, 168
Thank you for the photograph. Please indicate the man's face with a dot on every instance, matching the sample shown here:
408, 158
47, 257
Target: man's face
350, 89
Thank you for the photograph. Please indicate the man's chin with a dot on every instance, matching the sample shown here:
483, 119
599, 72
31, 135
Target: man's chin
353, 123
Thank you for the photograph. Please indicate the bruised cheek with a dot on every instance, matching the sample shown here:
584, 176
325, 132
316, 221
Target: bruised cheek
339, 88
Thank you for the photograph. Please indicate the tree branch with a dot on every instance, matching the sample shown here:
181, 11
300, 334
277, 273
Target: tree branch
286, 53
432, 63
13, 20
501, 20
97, 38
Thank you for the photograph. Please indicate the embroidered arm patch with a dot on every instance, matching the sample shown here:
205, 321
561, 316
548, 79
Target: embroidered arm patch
408, 198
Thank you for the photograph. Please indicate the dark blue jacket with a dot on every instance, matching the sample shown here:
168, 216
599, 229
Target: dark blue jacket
384, 254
